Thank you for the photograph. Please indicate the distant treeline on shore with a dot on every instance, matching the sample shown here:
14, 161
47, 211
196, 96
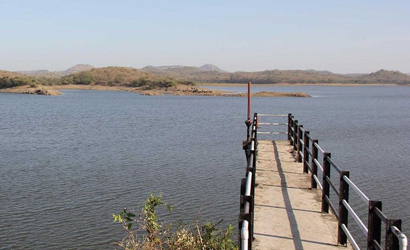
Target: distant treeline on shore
280, 76
159, 77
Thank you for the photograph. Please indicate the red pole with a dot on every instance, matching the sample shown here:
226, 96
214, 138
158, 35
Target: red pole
248, 122
249, 100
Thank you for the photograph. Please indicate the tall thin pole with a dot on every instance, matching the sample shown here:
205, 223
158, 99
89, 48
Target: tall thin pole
249, 100
248, 121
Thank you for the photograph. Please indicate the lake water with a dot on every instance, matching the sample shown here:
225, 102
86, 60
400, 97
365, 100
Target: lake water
68, 162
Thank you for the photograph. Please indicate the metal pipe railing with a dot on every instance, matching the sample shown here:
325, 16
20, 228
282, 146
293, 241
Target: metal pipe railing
274, 115
273, 124
401, 237
318, 182
350, 237
318, 164
318, 147
355, 217
273, 133
357, 190
301, 140
246, 219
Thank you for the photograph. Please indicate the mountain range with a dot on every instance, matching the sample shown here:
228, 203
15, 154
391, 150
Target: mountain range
75, 69
210, 73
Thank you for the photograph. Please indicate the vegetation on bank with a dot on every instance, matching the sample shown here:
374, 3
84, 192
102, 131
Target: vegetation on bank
151, 78
11, 82
120, 76
110, 76
144, 231
281, 76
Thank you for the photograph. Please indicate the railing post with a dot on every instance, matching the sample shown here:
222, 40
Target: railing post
289, 126
299, 156
313, 165
392, 243
252, 205
241, 211
248, 128
325, 191
292, 131
343, 213
295, 134
374, 224
305, 152
247, 149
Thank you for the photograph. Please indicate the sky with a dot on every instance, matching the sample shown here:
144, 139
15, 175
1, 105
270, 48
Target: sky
349, 36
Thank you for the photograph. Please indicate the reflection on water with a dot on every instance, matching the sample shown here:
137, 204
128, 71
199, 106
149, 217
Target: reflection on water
68, 162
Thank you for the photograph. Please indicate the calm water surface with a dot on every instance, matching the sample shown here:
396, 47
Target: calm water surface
68, 162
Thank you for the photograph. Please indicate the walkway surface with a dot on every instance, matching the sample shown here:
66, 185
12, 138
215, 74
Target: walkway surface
287, 211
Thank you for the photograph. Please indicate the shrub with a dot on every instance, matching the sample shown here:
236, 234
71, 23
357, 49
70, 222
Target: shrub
144, 231
189, 83
7, 82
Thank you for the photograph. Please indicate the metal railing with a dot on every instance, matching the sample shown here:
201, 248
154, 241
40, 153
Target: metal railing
306, 151
246, 215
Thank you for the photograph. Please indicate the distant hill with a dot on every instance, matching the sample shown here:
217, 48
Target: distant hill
34, 72
206, 67
106, 76
355, 74
322, 72
207, 73
54, 74
211, 67
4, 73
385, 76
203, 75
120, 76
78, 68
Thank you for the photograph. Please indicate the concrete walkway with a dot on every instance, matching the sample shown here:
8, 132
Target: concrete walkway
287, 211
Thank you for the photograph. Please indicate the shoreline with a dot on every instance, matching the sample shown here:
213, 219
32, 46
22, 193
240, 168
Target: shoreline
179, 90
295, 84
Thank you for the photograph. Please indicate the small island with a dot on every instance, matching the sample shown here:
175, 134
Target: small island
179, 90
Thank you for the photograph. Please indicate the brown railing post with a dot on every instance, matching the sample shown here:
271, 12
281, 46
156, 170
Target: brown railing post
295, 134
374, 224
343, 213
306, 152
313, 165
392, 243
289, 127
325, 191
300, 135
248, 128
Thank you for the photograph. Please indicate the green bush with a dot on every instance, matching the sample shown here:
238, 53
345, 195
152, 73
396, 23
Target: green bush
144, 231
83, 78
189, 83
7, 82
140, 82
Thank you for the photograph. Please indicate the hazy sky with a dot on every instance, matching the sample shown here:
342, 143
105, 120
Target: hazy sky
349, 36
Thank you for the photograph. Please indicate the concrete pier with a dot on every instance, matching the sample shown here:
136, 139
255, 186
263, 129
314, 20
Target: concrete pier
287, 211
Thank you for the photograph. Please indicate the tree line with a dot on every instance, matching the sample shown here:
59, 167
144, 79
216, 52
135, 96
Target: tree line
151, 78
